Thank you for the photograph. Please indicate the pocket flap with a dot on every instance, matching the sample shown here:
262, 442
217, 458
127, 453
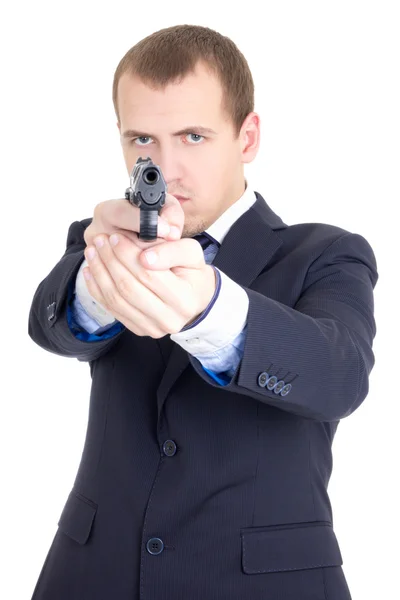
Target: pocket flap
289, 547
77, 517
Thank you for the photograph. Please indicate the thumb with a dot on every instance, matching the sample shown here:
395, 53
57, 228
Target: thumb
173, 214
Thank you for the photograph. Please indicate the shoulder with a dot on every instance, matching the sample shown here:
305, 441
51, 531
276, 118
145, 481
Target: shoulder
327, 243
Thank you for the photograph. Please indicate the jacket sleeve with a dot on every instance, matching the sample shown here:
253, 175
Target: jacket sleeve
321, 349
48, 324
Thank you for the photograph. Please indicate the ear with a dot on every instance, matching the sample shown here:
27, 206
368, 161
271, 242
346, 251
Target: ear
250, 137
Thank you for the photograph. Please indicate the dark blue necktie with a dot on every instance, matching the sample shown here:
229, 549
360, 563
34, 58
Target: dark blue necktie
205, 240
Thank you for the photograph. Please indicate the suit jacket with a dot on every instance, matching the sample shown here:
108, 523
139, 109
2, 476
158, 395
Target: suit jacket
189, 490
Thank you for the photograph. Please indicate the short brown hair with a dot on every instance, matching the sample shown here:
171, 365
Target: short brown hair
170, 54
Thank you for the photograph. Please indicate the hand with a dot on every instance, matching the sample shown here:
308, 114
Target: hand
151, 302
119, 216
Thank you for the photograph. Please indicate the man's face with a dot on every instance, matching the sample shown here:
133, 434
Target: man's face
206, 167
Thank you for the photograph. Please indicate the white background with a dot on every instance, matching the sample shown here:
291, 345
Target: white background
327, 90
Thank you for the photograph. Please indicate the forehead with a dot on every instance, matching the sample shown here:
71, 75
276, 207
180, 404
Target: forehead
197, 96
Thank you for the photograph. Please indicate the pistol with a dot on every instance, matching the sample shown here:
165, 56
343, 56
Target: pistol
147, 191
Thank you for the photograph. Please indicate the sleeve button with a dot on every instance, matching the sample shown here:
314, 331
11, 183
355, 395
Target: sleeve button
279, 386
286, 389
272, 381
262, 379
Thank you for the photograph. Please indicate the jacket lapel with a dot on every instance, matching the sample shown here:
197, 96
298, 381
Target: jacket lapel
245, 251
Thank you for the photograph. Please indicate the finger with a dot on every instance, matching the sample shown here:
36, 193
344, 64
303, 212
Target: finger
100, 285
173, 213
143, 245
134, 237
127, 314
95, 291
122, 288
164, 284
139, 320
185, 252
93, 287
125, 217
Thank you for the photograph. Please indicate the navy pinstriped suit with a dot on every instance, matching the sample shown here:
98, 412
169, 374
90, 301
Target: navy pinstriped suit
189, 490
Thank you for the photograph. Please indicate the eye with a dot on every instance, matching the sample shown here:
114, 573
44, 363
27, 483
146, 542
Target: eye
197, 135
133, 140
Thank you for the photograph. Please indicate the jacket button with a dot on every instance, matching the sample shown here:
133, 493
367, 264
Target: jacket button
169, 448
272, 381
262, 379
155, 546
286, 389
279, 386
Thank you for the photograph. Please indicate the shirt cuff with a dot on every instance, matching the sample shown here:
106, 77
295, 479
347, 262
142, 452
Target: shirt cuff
224, 321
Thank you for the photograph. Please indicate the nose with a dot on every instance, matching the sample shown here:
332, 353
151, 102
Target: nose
170, 167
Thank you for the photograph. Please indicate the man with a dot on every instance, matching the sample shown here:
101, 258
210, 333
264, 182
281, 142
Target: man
219, 372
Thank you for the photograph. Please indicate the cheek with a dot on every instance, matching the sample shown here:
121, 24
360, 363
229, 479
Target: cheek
220, 171
211, 166
210, 173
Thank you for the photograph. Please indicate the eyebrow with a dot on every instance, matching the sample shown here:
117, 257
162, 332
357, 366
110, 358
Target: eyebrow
129, 133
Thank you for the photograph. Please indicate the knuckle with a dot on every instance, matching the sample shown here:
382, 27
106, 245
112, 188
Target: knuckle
157, 335
118, 208
153, 332
187, 316
98, 209
187, 308
146, 277
159, 329
136, 330
88, 235
175, 324
124, 287
130, 235
111, 298
175, 328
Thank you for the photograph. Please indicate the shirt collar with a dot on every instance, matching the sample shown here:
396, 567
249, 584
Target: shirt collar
221, 226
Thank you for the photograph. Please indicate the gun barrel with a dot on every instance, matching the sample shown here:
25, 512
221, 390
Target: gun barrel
151, 176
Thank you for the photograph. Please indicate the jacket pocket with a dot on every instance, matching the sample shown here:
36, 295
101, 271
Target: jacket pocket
77, 517
289, 547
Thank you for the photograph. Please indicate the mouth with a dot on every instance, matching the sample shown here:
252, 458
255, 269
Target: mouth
181, 199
